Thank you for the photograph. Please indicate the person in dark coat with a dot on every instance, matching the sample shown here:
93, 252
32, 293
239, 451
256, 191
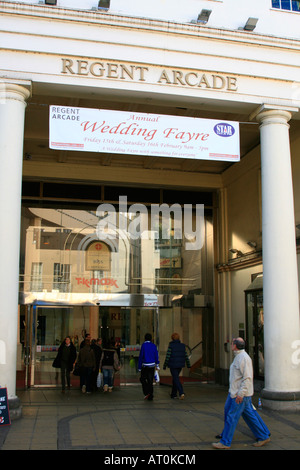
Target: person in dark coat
65, 359
176, 359
96, 347
87, 362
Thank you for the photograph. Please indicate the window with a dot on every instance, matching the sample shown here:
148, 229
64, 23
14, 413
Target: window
37, 277
104, 4
61, 277
293, 5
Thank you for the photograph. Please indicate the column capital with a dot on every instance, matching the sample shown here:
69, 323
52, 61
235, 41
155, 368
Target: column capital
275, 113
15, 90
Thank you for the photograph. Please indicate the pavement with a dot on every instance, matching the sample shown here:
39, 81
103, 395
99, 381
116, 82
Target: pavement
122, 422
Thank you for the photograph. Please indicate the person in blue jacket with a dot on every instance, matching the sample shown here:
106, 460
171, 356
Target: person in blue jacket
148, 362
176, 359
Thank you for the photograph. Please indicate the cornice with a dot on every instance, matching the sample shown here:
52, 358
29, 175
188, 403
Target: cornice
91, 17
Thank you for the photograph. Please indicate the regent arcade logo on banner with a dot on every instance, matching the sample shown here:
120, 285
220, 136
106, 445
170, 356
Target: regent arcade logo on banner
107, 131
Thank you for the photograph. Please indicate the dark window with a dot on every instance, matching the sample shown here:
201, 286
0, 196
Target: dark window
104, 4
293, 5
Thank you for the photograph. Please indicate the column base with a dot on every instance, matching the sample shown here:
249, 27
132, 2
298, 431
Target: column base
280, 401
15, 408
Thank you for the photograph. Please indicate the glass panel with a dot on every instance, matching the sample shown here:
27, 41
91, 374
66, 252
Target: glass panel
135, 323
260, 335
77, 258
255, 331
105, 251
52, 326
295, 5
286, 4
250, 325
275, 3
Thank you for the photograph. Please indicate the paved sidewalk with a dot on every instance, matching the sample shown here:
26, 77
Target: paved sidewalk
123, 421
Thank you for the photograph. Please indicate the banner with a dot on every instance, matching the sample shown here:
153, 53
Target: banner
4, 409
156, 135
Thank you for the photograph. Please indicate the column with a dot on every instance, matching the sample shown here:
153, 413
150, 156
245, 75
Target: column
280, 276
12, 111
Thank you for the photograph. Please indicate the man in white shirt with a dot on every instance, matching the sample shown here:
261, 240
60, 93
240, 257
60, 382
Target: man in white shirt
239, 401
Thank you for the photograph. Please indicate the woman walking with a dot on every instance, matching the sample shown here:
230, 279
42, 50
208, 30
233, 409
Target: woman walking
176, 359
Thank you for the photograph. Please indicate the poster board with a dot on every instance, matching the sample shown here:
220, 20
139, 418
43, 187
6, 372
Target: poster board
4, 408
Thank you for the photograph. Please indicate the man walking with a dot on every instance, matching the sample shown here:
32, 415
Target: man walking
148, 362
239, 401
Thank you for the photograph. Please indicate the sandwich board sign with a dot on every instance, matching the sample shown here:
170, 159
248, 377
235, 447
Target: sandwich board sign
4, 408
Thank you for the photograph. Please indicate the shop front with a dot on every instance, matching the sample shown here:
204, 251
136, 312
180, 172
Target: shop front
82, 275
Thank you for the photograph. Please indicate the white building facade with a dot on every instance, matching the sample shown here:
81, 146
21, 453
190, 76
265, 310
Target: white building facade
204, 60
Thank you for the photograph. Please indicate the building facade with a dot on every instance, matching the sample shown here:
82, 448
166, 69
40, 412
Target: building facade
117, 240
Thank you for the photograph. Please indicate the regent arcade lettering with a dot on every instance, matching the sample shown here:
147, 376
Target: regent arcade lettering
137, 73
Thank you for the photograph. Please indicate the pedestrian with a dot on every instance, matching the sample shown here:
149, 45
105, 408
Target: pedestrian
87, 362
96, 347
86, 336
65, 359
176, 359
148, 362
109, 363
239, 402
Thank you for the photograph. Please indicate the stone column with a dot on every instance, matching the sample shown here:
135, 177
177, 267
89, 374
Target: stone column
12, 111
280, 276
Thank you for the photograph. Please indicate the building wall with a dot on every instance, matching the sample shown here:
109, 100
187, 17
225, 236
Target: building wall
53, 51
224, 13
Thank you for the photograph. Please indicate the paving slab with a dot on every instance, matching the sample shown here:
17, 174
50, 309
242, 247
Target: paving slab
123, 422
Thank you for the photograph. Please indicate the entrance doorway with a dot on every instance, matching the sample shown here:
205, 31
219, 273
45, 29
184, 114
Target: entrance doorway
44, 328
255, 325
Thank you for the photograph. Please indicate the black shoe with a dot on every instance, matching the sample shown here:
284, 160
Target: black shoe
218, 436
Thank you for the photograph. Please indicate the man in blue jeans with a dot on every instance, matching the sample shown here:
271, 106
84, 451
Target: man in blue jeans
239, 401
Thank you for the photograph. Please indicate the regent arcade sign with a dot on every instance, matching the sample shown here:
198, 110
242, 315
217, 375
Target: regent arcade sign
147, 74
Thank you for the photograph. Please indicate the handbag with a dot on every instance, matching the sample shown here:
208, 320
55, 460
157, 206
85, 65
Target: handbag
77, 370
56, 363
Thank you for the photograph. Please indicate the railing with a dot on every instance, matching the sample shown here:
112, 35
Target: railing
198, 370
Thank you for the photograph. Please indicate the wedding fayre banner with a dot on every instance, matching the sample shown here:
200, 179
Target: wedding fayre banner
106, 131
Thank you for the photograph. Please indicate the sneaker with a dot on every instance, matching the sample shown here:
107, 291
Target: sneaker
219, 445
83, 389
110, 389
105, 388
146, 396
181, 397
261, 443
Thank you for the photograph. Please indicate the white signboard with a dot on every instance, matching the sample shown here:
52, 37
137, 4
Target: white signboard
105, 131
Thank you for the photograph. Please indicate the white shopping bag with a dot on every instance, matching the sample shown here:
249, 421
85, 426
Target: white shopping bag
100, 380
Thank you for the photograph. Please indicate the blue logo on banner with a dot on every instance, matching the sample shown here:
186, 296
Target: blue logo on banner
223, 129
